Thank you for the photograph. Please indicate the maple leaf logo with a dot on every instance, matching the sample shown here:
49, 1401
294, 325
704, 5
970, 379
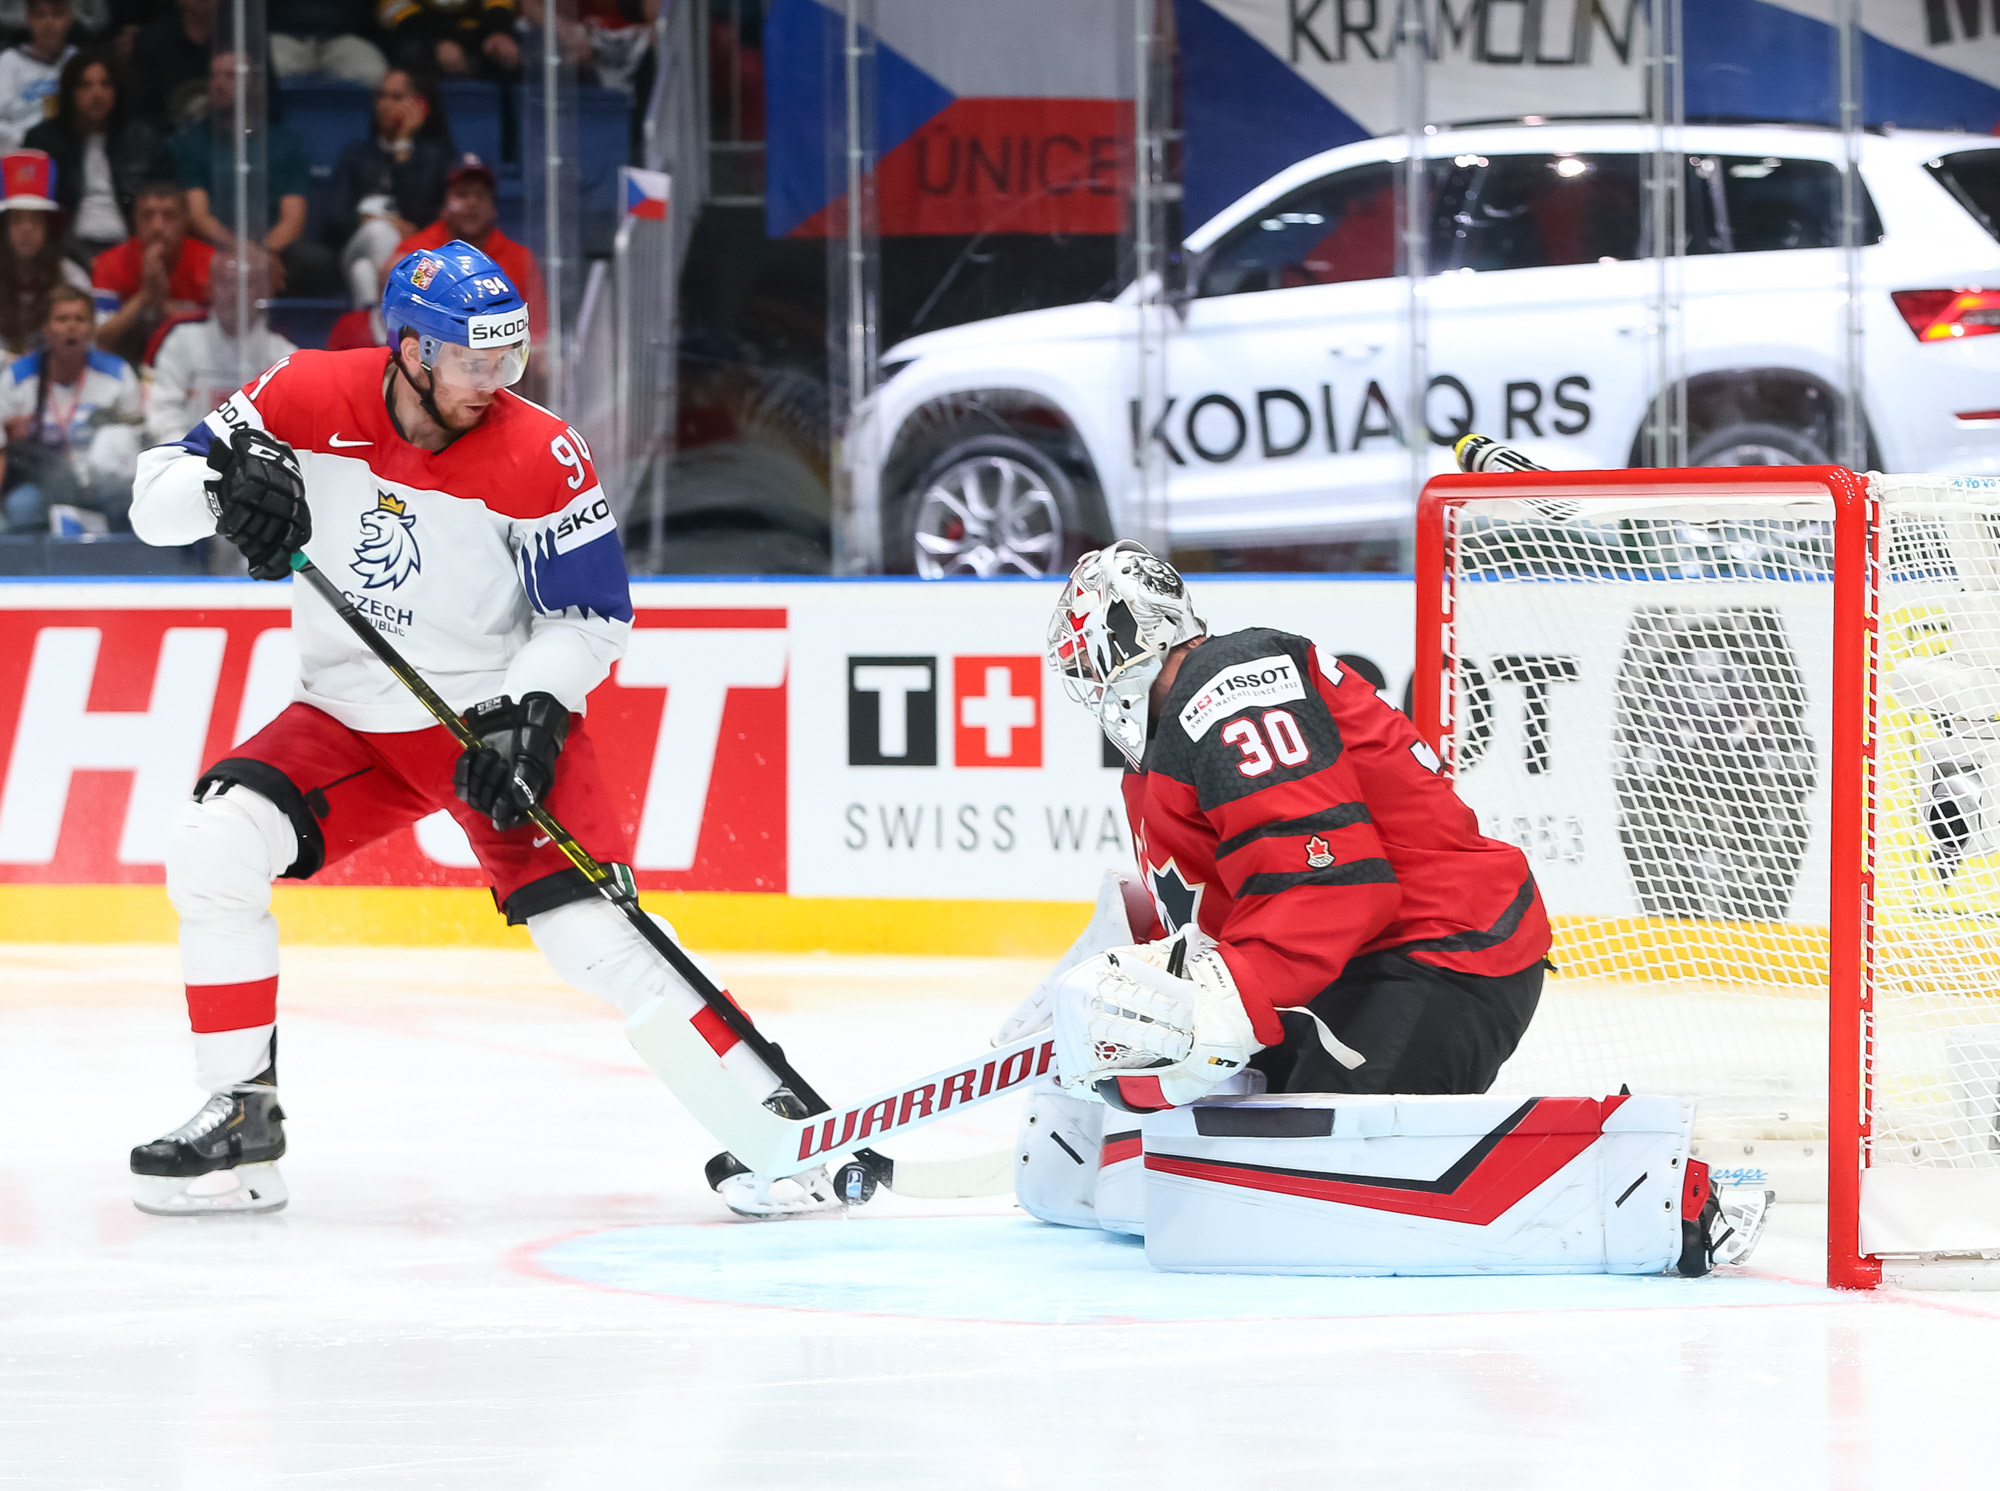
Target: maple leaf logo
1317, 853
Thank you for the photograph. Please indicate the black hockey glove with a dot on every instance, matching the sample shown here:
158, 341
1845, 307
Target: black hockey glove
522, 739
259, 500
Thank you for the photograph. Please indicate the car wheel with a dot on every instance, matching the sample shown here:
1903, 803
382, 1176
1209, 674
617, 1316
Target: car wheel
993, 505
1749, 444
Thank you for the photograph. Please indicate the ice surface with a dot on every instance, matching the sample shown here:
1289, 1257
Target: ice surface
500, 1269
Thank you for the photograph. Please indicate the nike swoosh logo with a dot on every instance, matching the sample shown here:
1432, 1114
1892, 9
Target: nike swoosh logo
540, 841
336, 442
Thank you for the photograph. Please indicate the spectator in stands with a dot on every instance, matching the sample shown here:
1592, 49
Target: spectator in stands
363, 326
102, 157
29, 72
71, 421
454, 37
31, 257
360, 327
321, 38
205, 166
91, 16
469, 213
169, 67
124, 21
387, 184
198, 363
608, 41
159, 272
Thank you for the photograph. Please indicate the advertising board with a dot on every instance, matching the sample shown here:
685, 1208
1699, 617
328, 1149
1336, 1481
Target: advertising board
865, 740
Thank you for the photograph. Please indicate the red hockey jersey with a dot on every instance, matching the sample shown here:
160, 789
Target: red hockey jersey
1301, 822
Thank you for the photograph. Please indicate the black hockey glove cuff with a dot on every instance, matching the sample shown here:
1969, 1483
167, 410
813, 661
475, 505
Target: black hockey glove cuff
258, 497
519, 738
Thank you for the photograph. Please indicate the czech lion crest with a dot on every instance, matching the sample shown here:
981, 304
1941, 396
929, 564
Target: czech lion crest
387, 554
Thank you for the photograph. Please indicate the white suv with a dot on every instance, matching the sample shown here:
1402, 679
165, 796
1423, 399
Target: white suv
1008, 446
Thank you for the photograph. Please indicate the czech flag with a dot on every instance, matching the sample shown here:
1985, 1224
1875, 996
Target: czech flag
645, 194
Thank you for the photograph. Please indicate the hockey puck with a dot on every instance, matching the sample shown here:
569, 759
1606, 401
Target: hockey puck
854, 1183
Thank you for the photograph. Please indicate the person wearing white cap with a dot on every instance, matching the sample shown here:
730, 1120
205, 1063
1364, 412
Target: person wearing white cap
32, 262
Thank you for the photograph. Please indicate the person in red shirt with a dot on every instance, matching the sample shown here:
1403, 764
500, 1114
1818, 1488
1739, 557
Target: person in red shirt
156, 273
1326, 911
358, 328
470, 216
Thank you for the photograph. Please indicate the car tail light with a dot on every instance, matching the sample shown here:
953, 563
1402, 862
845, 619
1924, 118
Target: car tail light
1947, 315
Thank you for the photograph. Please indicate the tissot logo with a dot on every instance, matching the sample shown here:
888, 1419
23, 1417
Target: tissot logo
995, 710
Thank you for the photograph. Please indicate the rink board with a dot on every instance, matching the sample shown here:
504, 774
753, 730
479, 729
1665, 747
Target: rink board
869, 765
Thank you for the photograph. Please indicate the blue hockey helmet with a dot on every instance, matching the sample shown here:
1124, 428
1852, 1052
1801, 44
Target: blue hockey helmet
470, 320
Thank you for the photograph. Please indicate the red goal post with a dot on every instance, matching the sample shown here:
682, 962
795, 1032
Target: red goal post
1772, 874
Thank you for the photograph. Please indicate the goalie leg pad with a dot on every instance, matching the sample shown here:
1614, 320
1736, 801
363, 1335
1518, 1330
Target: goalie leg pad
1417, 1185
1056, 1157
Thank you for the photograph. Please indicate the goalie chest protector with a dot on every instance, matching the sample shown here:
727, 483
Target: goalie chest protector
1309, 1184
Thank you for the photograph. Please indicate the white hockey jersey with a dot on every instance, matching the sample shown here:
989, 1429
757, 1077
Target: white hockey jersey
493, 565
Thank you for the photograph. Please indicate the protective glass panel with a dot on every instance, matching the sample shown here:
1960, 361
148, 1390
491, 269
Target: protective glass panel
236, 203
554, 168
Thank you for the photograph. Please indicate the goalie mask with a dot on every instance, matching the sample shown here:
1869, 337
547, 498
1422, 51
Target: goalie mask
1122, 612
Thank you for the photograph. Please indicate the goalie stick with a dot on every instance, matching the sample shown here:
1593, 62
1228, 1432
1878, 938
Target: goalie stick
709, 1092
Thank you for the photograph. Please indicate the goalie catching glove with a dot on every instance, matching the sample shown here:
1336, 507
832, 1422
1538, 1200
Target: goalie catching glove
258, 497
519, 739
1151, 1026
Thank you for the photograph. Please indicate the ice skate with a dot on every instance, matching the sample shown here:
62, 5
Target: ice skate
222, 1160
764, 1199
1743, 1212
1726, 1229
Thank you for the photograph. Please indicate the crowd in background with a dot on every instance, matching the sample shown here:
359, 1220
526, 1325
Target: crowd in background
120, 260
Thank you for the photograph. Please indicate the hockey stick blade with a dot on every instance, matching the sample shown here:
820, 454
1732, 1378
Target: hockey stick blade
957, 1179
778, 1147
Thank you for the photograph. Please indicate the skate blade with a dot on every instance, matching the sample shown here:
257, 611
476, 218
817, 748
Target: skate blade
244, 1191
1745, 1209
765, 1200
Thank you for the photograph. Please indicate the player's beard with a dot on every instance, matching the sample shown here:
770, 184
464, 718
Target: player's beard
460, 419
426, 393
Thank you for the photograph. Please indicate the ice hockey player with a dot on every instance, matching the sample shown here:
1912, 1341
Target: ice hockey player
467, 524
1325, 915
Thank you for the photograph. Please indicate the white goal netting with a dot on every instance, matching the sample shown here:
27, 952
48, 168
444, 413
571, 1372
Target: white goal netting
1639, 694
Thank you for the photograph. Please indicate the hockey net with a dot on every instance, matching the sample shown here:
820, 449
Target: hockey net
1747, 729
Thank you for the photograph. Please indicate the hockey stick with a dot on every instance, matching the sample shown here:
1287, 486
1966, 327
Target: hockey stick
773, 1145
878, 1167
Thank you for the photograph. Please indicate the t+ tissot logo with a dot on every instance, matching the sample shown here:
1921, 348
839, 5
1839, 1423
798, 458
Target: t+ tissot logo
995, 711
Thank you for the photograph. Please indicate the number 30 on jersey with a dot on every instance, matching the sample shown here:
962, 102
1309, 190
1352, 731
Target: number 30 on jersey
1277, 740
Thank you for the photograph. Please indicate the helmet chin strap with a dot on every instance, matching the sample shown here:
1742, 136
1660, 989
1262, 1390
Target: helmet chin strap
425, 394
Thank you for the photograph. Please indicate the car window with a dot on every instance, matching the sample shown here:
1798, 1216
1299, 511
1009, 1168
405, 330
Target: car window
1532, 211
1770, 204
1338, 229
1973, 177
